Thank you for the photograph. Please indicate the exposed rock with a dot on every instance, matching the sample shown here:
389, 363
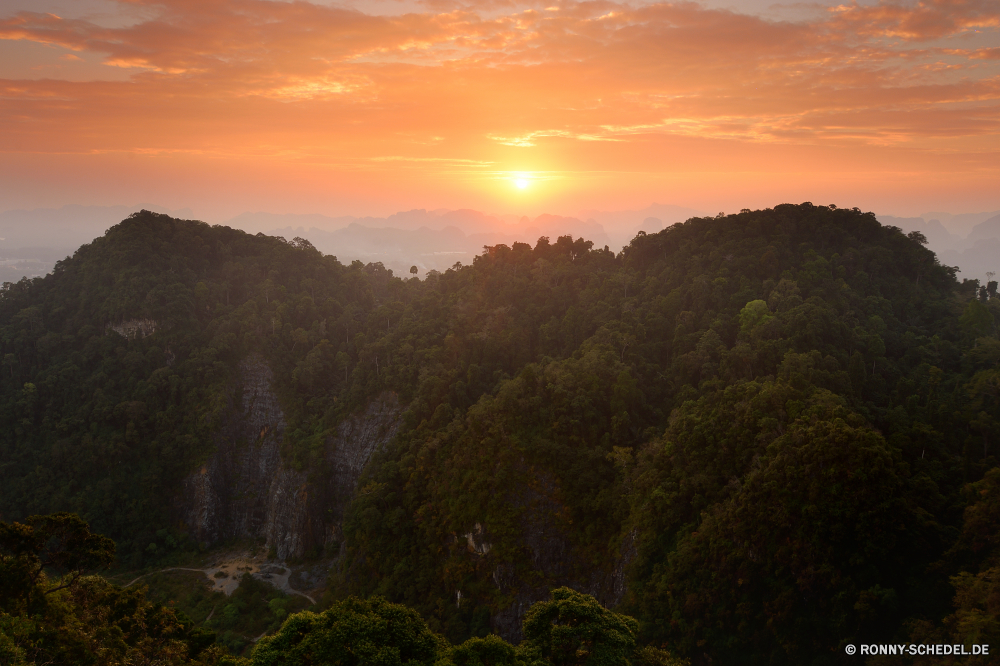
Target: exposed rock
626, 555
554, 561
291, 526
133, 328
229, 497
357, 439
246, 492
476, 541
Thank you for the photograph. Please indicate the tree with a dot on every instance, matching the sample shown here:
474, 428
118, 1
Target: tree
489, 650
83, 619
353, 632
61, 543
803, 559
521, 374
413, 270
976, 321
752, 315
574, 629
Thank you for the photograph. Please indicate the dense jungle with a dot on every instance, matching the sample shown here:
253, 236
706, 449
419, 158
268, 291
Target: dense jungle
748, 439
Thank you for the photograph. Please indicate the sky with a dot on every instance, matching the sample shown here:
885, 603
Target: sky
366, 107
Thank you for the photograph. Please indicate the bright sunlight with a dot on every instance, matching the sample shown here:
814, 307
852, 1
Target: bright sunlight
522, 181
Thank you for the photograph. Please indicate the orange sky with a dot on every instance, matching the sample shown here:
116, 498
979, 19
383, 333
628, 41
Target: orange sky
370, 107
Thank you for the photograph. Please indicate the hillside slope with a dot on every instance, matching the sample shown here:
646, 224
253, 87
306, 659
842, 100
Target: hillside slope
750, 431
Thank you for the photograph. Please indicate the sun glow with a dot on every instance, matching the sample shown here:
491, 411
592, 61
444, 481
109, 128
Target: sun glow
521, 180
319, 87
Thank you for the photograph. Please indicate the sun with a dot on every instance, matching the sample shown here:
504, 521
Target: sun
521, 180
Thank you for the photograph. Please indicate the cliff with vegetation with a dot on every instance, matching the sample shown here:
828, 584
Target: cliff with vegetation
764, 435
247, 491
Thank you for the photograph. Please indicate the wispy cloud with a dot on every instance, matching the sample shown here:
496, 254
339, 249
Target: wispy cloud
917, 21
473, 78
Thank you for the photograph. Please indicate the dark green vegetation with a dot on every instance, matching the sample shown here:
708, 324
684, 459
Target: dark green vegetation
51, 613
352, 633
789, 416
255, 608
571, 629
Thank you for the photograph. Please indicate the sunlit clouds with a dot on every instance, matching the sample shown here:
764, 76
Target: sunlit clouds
326, 105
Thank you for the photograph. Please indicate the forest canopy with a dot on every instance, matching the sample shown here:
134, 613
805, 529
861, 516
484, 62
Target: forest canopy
764, 435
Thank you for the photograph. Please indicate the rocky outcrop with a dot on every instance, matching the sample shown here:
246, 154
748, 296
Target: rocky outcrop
348, 453
554, 561
134, 328
245, 491
476, 541
229, 497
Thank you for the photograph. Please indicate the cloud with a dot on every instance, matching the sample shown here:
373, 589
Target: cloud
984, 54
923, 20
582, 82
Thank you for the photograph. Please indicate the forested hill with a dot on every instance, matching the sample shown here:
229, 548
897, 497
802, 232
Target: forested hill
755, 432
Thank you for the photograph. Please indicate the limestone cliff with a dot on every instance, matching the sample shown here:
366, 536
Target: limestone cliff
245, 491
554, 561
133, 328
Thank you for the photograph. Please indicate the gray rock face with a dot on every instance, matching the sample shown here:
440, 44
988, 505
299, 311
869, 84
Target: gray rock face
134, 328
356, 440
554, 561
245, 491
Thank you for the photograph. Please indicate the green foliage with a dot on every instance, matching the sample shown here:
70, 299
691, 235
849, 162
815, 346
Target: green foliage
806, 550
78, 619
977, 592
490, 650
571, 628
90, 621
574, 630
60, 543
976, 321
119, 365
352, 632
186, 591
846, 323
651, 655
794, 398
253, 609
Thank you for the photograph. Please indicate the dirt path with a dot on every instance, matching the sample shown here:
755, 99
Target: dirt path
225, 575
132, 582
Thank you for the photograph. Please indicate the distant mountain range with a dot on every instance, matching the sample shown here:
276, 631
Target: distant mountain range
970, 241
435, 240
32, 241
429, 240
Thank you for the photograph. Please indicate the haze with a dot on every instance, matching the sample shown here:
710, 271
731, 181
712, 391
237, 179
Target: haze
369, 108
